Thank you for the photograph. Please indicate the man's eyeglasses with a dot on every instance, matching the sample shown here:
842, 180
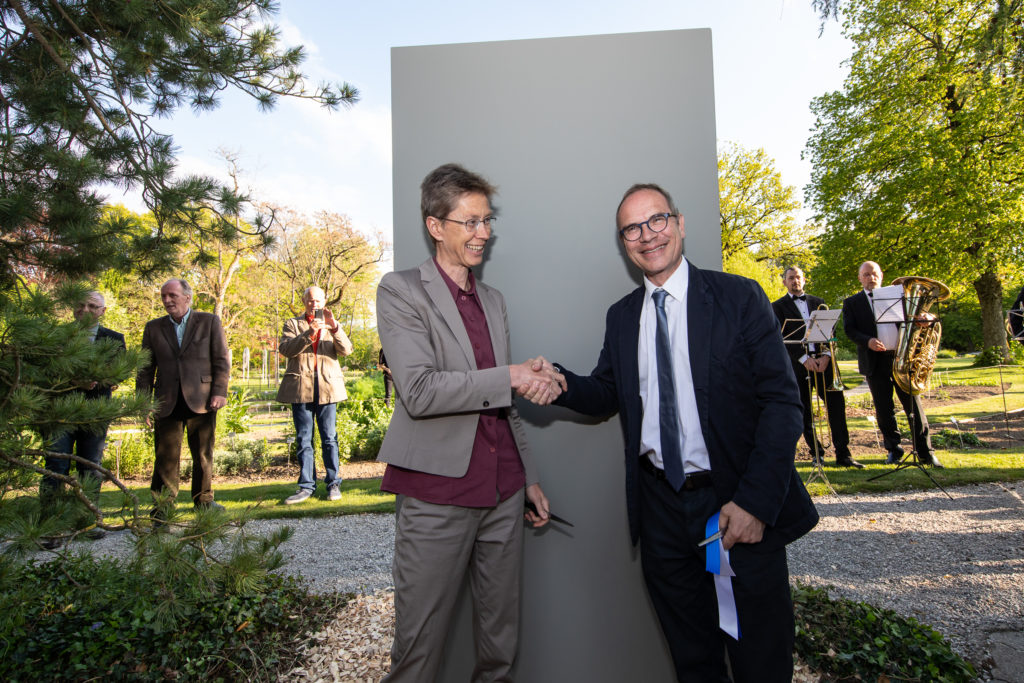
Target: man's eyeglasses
473, 223
657, 223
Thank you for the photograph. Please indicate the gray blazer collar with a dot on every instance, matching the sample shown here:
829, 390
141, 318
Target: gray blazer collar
439, 294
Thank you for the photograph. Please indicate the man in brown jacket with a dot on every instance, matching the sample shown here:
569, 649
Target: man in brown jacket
189, 361
313, 384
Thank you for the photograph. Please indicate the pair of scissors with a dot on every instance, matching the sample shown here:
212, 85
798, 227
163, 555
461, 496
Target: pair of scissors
712, 538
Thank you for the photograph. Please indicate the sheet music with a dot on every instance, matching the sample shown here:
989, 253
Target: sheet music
887, 304
822, 325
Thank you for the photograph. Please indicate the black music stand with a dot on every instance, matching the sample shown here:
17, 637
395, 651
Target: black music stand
889, 306
817, 330
1015, 324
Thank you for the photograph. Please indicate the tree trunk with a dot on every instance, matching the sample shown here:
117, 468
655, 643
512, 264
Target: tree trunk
990, 295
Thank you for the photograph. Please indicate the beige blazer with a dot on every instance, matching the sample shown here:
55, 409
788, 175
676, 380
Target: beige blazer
200, 367
440, 390
297, 346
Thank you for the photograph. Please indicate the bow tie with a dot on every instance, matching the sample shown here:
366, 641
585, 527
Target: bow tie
802, 297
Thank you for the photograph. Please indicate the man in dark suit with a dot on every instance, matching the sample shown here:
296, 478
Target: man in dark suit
812, 364
189, 361
83, 442
876, 351
1016, 317
694, 364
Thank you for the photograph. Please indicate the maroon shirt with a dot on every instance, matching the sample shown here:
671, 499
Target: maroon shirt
495, 470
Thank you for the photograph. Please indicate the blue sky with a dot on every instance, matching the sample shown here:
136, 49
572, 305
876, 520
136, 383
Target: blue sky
769, 63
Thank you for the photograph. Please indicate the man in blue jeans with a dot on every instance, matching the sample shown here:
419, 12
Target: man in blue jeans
82, 442
313, 384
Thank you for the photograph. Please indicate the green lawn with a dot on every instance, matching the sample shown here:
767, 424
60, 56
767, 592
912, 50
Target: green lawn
266, 499
961, 467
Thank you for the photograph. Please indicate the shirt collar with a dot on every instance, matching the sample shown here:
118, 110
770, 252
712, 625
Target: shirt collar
453, 287
184, 318
676, 285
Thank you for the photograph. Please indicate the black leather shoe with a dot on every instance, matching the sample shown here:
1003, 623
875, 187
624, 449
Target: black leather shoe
158, 517
53, 542
849, 462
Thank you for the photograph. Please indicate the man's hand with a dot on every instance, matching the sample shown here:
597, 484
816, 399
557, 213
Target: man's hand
739, 525
811, 364
218, 402
537, 497
329, 321
541, 364
876, 345
532, 381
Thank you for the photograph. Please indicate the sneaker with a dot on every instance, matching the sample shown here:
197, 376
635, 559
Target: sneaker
210, 506
298, 497
334, 493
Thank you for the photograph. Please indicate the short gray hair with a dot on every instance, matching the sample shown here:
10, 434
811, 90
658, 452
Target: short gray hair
186, 288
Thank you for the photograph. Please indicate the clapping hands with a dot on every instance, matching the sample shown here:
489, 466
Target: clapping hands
537, 380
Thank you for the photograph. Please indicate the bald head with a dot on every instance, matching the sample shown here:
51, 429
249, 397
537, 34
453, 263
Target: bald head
870, 275
313, 298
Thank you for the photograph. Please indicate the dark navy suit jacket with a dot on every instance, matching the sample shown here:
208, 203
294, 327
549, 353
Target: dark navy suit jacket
118, 339
747, 398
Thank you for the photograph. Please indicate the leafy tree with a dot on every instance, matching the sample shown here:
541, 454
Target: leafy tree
331, 254
746, 265
214, 255
82, 85
918, 160
760, 230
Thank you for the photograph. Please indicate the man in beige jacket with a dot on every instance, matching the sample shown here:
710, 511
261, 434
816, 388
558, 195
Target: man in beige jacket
313, 384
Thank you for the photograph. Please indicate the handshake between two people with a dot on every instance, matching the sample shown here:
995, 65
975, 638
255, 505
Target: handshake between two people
537, 380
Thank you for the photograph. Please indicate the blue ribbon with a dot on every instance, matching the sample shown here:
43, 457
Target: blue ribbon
717, 562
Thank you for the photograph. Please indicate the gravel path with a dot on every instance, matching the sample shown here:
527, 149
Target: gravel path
957, 565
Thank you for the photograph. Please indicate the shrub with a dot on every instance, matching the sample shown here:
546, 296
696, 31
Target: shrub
129, 455
854, 640
951, 438
104, 619
989, 356
240, 456
361, 428
367, 385
234, 417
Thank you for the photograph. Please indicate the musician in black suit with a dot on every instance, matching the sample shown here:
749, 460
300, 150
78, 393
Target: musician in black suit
82, 442
1017, 317
812, 363
728, 421
876, 351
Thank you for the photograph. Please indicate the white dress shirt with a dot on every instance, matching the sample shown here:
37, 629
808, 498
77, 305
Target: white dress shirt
695, 452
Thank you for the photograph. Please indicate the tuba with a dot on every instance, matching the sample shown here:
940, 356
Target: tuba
919, 336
